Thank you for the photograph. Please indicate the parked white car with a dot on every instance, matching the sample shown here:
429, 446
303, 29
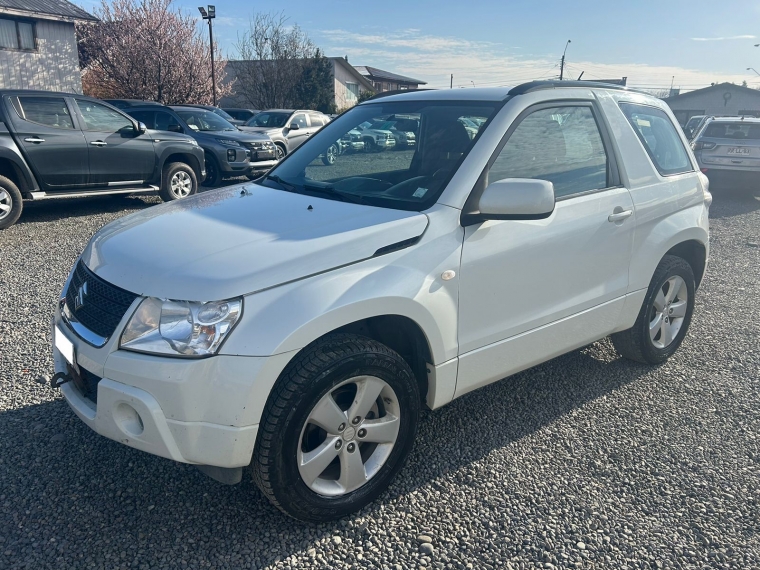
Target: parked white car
299, 324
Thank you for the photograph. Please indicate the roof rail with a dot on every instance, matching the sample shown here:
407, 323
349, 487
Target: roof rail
395, 92
555, 83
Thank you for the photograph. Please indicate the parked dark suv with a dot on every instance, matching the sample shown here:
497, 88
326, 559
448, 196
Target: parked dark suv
229, 152
56, 145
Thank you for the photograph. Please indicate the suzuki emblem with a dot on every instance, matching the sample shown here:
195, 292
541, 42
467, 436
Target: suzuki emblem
81, 294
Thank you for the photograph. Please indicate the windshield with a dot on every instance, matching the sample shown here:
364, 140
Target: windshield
202, 120
223, 114
347, 161
266, 119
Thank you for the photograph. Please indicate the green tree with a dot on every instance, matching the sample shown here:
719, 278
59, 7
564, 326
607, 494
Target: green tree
316, 89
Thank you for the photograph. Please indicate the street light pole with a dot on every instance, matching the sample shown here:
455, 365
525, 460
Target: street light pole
210, 15
753, 69
562, 62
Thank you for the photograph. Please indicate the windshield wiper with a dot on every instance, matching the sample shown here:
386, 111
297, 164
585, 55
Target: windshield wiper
286, 186
331, 191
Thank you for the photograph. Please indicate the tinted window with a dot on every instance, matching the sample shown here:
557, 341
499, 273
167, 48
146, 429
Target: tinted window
147, 117
732, 130
98, 117
316, 120
659, 137
167, 122
560, 144
266, 119
48, 111
202, 120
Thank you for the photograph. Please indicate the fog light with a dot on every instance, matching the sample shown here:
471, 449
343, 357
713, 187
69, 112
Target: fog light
231, 155
128, 420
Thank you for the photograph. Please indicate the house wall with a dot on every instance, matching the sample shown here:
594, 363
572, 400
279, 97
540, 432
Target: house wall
53, 67
343, 97
717, 102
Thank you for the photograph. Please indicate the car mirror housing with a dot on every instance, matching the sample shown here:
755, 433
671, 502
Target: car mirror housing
141, 128
513, 199
294, 127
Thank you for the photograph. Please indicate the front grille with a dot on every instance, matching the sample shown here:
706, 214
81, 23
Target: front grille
98, 305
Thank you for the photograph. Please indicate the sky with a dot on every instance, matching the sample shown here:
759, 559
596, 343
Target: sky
489, 42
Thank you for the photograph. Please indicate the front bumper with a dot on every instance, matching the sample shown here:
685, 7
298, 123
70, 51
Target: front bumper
198, 411
263, 165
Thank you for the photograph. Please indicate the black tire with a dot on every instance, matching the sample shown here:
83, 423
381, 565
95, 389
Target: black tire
11, 202
315, 372
636, 343
213, 172
176, 169
280, 150
330, 155
370, 146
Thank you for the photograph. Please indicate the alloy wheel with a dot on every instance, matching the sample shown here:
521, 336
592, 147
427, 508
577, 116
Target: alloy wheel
348, 436
668, 311
181, 184
6, 204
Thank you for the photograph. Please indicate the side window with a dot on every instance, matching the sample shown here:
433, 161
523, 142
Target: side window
147, 117
167, 122
316, 120
559, 144
48, 111
659, 137
98, 117
300, 120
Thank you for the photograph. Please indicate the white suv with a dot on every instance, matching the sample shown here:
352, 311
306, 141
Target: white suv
299, 324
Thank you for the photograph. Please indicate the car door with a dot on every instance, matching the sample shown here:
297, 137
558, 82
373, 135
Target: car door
534, 289
296, 137
119, 155
55, 147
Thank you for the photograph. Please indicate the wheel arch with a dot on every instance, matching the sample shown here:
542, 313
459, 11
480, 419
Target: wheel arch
695, 254
185, 157
20, 176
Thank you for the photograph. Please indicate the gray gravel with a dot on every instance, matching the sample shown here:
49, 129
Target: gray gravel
588, 461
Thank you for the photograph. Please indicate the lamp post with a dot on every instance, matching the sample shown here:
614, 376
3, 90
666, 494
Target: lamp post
562, 63
753, 69
210, 15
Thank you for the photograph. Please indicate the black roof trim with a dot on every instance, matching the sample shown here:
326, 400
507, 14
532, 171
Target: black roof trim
395, 92
555, 84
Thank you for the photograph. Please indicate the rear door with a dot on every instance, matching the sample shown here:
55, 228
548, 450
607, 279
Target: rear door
119, 156
48, 135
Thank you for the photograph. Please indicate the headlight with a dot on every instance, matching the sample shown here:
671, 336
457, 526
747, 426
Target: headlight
180, 328
259, 145
228, 142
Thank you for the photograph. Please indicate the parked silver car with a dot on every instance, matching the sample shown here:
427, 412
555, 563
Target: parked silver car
728, 152
288, 128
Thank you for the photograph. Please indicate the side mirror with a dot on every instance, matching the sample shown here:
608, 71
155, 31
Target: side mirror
513, 199
294, 126
174, 129
141, 128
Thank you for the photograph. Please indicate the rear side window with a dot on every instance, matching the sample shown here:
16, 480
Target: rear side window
732, 131
659, 137
316, 120
48, 111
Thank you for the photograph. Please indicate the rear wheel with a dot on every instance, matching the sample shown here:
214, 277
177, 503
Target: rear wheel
331, 155
178, 182
280, 149
664, 317
11, 203
213, 172
338, 425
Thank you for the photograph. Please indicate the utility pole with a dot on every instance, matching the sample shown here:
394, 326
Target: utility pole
210, 15
451, 85
562, 61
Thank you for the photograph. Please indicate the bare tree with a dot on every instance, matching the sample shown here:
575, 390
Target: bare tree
278, 66
147, 49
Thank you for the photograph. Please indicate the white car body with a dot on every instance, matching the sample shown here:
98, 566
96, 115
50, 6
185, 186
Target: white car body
307, 266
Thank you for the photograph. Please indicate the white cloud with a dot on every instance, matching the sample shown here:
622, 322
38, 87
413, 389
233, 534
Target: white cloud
724, 38
434, 58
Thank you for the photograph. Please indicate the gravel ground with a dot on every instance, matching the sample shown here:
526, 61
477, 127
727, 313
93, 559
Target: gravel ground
588, 461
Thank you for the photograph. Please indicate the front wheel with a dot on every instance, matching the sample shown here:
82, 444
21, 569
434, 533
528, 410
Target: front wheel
331, 155
178, 182
664, 317
11, 203
338, 426
213, 172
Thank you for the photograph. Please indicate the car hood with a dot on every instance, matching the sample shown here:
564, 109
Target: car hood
240, 239
236, 135
264, 130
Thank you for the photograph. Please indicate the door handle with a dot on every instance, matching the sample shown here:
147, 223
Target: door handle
98, 143
36, 140
619, 215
